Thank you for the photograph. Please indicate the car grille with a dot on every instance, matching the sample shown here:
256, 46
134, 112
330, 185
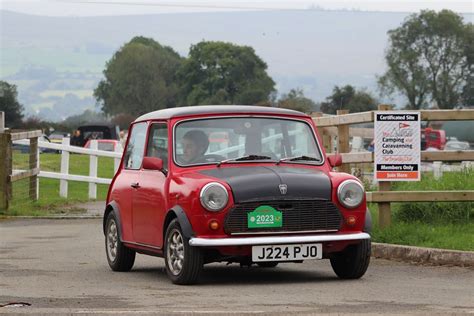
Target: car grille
298, 216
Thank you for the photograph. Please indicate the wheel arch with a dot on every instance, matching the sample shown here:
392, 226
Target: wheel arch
178, 213
368, 222
112, 207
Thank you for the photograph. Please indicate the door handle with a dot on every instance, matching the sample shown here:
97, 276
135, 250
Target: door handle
135, 185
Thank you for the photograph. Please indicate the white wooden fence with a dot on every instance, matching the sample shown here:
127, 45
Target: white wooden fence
64, 175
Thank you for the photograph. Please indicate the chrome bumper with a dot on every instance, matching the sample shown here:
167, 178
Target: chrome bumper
251, 241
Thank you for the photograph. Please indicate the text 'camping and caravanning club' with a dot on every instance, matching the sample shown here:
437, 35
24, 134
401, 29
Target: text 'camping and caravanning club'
397, 146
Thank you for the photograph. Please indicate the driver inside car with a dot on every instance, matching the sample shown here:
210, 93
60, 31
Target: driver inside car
195, 144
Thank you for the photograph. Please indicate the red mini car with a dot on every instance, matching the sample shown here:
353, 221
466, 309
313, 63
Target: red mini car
264, 192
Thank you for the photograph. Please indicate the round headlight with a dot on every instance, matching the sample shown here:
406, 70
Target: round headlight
214, 197
350, 193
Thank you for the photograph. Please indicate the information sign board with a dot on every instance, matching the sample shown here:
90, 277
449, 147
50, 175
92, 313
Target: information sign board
397, 146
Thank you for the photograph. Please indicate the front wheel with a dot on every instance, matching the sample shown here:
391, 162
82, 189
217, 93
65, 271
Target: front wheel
352, 263
120, 258
183, 262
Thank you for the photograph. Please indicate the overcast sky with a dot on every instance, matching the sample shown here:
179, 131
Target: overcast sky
125, 7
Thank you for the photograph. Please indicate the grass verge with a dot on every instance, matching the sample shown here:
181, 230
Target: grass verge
456, 236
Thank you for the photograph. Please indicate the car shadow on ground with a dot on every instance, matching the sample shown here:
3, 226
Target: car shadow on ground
235, 275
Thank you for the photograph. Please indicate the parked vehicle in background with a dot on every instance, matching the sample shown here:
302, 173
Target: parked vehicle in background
106, 144
97, 131
454, 144
24, 149
56, 137
263, 194
433, 138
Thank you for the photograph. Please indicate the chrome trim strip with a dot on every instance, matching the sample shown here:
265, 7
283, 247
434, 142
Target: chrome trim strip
141, 245
287, 232
251, 241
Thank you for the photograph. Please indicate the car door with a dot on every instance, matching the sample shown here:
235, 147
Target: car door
128, 177
149, 200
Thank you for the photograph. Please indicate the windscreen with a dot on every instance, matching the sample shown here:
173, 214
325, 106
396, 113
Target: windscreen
218, 139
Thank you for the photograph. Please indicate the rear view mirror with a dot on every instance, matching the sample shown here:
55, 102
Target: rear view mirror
152, 163
335, 160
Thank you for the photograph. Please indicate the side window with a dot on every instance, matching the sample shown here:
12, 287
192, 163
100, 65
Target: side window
136, 147
158, 143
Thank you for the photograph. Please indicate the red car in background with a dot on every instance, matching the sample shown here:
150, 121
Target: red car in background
266, 194
106, 144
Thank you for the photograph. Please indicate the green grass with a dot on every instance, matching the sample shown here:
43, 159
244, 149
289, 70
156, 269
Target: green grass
448, 225
457, 236
437, 212
49, 201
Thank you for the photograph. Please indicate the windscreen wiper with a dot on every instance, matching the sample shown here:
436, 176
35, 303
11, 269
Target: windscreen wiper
244, 158
303, 158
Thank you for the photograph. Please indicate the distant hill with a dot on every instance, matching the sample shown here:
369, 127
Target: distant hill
54, 58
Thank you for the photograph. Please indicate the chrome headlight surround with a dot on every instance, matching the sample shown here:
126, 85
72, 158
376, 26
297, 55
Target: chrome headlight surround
214, 197
350, 193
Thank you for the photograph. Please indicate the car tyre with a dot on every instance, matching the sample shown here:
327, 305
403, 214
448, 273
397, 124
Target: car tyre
352, 263
183, 262
269, 264
119, 257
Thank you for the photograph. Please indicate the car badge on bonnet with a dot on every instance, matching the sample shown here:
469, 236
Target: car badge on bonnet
283, 188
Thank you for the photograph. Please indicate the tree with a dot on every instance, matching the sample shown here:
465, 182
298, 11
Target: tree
427, 59
224, 73
10, 105
295, 100
140, 77
467, 95
347, 98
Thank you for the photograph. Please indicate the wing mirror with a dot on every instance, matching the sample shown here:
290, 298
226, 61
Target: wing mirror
153, 163
335, 160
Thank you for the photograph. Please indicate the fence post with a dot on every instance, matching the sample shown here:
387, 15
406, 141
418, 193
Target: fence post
118, 149
343, 141
3, 173
385, 211
437, 169
33, 163
5, 170
93, 171
63, 184
2, 121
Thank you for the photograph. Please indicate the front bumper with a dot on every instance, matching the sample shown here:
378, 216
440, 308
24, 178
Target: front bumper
252, 241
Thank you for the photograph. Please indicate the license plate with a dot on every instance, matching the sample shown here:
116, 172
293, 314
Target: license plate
287, 252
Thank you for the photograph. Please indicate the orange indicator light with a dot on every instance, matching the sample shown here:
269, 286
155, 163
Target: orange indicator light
351, 220
214, 225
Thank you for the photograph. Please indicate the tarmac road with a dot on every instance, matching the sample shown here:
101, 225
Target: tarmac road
59, 266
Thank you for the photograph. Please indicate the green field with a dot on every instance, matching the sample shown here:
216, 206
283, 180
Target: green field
49, 201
